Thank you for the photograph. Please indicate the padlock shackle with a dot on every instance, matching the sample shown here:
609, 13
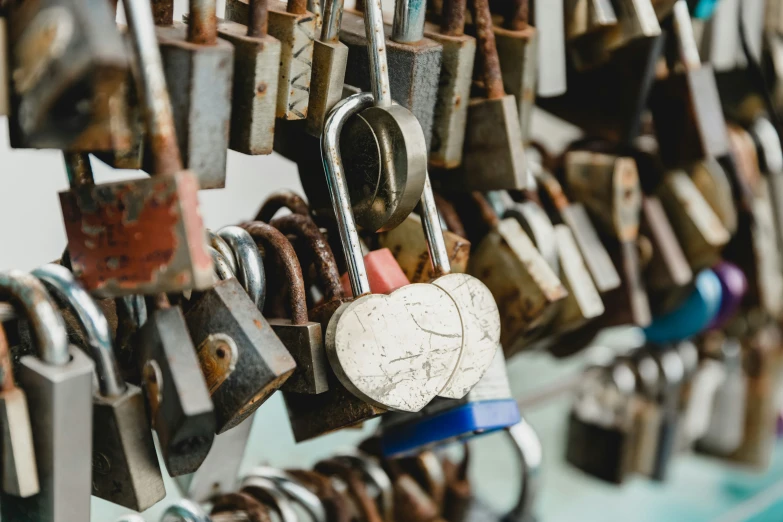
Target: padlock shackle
449, 216
433, 233
294, 489
223, 270
530, 452
489, 60
486, 212
267, 492
452, 21
553, 189
61, 283
257, 18
283, 199
220, 244
323, 258
27, 292
156, 103
185, 511
250, 267
274, 241
202, 22
408, 23
79, 170
518, 15
376, 51
338, 186
332, 19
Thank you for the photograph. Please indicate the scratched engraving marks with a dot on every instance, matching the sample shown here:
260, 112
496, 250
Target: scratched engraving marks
396, 351
296, 33
480, 331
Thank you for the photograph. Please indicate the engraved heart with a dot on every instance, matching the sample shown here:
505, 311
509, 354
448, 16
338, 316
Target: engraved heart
396, 351
480, 331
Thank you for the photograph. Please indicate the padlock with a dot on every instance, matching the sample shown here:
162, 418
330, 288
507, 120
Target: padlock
523, 284
686, 105
177, 396
726, 426
493, 156
67, 62
648, 414
672, 373
124, 464
614, 204
549, 21
600, 425
703, 378
301, 337
330, 60
517, 46
201, 109
19, 470
770, 156
713, 183
409, 247
413, 332
314, 415
594, 253
294, 27
226, 325
163, 247
487, 407
534, 220
254, 93
692, 316
450, 113
58, 384
587, 19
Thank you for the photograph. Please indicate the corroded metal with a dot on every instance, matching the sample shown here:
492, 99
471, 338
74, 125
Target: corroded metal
279, 200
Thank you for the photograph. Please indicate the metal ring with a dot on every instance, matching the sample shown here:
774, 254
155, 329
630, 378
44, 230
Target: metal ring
267, 491
295, 491
220, 244
530, 452
250, 266
185, 511
223, 268
60, 281
375, 474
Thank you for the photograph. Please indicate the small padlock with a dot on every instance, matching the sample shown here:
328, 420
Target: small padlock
19, 469
201, 109
163, 248
672, 373
493, 156
713, 183
226, 325
301, 337
124, 464
254, 93
648, 415
67, 62
58, 384
294, 27
451, 109
178, 398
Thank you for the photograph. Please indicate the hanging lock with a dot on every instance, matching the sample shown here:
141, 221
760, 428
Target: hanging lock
255, 88
451, 110
58, 384
295, 28
549, 21
124, 464
410, 340
300, 336
521, 281
713, 183
587, 19
648, 415
161, 247
242, 359
494, 156
67, 63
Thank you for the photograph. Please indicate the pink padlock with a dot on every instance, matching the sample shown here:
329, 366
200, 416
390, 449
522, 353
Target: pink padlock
383, 271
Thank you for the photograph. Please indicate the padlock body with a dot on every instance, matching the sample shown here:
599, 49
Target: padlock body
603, 452
20, 472
305, 344
254, 95
413, 69
594, 253
184, 417
124, 463
330, 60
137, 237
67, 61
60, 403
451, 108
200, 79
518, 54
263, 363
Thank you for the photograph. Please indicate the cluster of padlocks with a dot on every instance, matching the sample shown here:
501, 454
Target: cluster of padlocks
437, 239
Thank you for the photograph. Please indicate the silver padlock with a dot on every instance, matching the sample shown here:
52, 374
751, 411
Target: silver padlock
58, 383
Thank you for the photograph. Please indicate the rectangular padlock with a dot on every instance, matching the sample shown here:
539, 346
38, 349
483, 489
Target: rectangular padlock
456, 73
294, 27
254, 94
61, 88
199, 73
549, 21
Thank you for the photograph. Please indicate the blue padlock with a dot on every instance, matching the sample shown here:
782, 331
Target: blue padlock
702, 9
692, 316
487, 408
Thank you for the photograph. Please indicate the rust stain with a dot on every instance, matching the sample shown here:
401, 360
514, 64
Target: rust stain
261, 89
258, 324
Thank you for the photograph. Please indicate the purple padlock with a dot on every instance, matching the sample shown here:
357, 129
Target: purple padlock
734, 285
